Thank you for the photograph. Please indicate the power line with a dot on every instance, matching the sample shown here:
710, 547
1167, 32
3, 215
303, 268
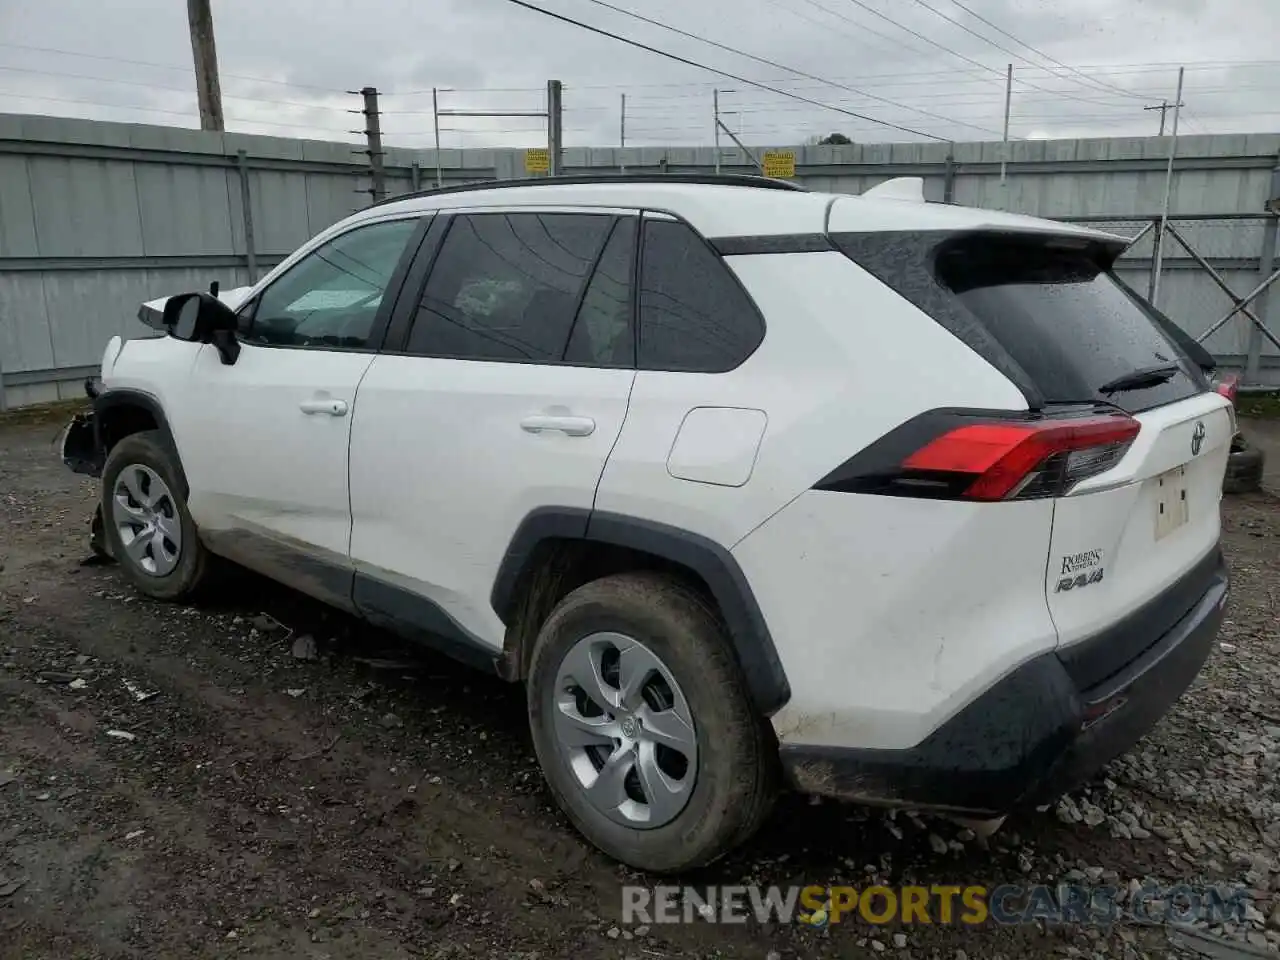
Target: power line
862, 27
154, 86
973, 13
779, 66
898, 78
190, 114
955, 53
1089, 80
724, 73
161, 66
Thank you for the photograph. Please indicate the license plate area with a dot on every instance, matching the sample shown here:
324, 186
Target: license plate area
1172, 508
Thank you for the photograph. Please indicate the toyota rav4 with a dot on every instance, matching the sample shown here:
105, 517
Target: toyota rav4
893, 501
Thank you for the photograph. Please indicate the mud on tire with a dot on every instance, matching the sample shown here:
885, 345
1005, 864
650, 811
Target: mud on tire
734, 783
148, 451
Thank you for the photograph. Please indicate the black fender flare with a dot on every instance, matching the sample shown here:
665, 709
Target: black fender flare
128, 397
752, 643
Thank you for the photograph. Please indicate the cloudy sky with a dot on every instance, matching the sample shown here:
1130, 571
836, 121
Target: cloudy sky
929, 68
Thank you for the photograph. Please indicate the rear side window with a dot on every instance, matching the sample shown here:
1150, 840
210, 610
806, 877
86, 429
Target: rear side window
694, 316
603, 335
507, 286
1046, 311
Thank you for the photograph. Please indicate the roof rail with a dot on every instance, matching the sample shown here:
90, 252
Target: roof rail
721, 179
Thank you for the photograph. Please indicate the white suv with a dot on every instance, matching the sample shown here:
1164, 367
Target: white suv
909, 503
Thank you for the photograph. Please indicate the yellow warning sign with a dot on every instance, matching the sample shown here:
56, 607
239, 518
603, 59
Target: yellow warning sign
537, 161
780, 163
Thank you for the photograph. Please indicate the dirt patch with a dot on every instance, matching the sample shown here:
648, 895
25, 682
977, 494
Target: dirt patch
197, 782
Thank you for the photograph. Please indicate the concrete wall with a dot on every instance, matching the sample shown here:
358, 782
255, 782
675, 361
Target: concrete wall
97, 217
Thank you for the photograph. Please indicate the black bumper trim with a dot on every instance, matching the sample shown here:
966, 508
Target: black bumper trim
1103, 656
1032, 736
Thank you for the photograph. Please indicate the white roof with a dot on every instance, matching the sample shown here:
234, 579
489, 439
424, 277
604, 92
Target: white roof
722, 210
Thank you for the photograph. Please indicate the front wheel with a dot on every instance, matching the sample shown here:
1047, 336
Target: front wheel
145, 520
643, 727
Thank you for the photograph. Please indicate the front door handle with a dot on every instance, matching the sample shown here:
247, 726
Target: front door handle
571, 426
334, 408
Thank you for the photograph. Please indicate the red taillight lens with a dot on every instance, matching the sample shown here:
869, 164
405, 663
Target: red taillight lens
1034, 458
1228, 386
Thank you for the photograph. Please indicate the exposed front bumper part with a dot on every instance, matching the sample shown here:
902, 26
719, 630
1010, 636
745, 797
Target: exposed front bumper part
81, 451
1035, 734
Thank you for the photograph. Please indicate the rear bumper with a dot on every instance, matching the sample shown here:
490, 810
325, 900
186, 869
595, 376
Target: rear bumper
1038, 732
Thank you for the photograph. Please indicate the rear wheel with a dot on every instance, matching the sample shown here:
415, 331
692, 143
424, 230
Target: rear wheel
642, 724
145, 520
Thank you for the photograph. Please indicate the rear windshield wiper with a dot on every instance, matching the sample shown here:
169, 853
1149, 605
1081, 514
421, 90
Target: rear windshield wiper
1142, 377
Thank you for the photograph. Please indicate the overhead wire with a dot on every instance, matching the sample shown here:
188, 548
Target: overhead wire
1092, 84
955, 53
779, 66
153, 86
724, 73
163, 66
1040, 53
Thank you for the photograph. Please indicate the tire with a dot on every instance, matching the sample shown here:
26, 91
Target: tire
728, 789
1244, 467
145, 460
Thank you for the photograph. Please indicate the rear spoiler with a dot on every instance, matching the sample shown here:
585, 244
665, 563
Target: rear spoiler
151, 313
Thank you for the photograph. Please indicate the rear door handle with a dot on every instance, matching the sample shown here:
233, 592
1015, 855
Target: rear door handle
334, 408
572, 426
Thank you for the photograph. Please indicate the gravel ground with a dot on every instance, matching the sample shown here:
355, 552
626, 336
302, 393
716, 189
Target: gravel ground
266, 778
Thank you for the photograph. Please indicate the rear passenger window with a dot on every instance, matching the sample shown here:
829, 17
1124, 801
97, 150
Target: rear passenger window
694, 316
602, 333
506, 286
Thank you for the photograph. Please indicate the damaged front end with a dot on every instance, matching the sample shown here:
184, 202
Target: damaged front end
81, 448
82, 453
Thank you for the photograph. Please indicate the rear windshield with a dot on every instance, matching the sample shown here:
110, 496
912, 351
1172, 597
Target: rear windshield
1054, 309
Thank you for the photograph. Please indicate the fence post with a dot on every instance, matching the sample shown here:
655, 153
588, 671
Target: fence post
3, 404
949, 178
373, 136
1157, 238
555, 128
1266, 264
415, 176
246, 205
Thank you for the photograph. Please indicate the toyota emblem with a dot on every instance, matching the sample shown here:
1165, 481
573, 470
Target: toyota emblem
1197, 438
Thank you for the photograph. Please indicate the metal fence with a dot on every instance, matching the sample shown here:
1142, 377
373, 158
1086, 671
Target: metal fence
96, 218
1215, 279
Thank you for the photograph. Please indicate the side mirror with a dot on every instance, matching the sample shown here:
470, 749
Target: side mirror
202, 318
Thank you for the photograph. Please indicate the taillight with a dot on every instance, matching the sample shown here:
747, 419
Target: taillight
1023, 460
962, 455
1228, 386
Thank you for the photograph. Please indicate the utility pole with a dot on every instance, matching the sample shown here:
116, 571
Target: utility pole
373, 135
622, 134
555, 128
1008, 99
1164, 106
208, 91
742, 146
435, 119
715, 113
1158, 252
